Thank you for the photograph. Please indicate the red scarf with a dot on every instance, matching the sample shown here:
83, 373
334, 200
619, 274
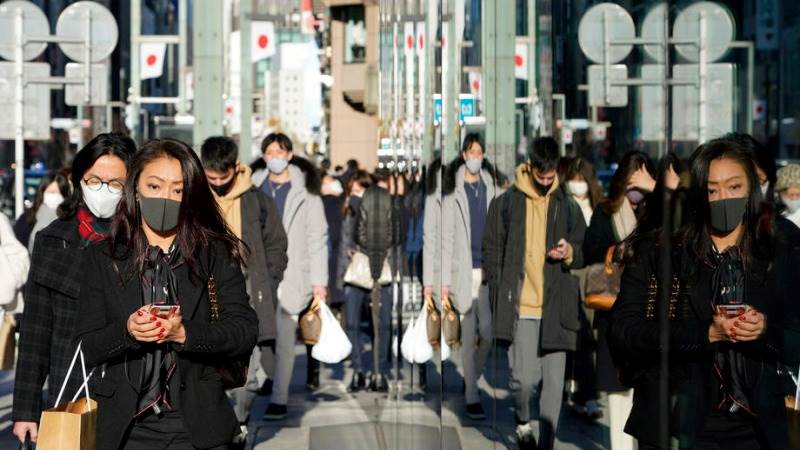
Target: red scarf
89, 228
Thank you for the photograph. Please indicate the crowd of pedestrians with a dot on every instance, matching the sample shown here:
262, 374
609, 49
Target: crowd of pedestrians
183, 278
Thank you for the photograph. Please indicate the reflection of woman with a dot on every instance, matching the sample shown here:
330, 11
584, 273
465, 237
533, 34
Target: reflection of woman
612, 222
724, 384
170, 249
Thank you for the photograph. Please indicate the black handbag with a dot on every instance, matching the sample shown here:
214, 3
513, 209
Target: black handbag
233, 372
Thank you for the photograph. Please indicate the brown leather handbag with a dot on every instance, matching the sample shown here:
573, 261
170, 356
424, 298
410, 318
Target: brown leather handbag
433, 324
310, 325
603, 282
451, 324
234, 371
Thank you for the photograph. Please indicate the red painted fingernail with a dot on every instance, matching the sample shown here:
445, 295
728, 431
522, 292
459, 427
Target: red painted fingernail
140, 313
736, 323
743, 317
753, 313
162, 331
158, 324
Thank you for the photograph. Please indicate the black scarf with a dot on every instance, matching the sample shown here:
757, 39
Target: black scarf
159, 287
730, 365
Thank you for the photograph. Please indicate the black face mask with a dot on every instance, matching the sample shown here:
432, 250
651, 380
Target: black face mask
542, 189
727, 214
223, 189
355, 203
161, 214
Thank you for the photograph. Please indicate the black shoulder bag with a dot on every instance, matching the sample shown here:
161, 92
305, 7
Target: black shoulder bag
233, 372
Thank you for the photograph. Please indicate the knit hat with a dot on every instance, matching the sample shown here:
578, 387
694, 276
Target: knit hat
788, 176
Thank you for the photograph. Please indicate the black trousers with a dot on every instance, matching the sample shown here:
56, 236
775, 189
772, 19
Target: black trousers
160, 433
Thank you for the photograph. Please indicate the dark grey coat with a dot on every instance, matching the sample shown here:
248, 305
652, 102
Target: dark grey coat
265, 238
503, 262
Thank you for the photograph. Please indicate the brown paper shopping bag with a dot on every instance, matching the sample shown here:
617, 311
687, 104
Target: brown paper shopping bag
71, 425
8, 342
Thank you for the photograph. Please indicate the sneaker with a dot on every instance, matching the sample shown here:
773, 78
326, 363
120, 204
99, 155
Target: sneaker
525, 438
312, 383
357, 383
275, 412
240, 440
378, 383
475, 411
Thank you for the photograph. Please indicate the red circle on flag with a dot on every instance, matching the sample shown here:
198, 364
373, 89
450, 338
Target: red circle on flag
229, 109
410, 41
421, 41
151, 60
476, 85
518, 60
759, 109
263, 41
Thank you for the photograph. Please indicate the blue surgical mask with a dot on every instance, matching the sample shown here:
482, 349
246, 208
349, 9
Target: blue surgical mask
277, 165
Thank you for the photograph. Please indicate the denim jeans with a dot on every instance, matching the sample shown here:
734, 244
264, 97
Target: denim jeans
354, 299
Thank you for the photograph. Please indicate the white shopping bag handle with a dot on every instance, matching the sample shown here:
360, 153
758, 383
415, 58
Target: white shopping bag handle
84, 386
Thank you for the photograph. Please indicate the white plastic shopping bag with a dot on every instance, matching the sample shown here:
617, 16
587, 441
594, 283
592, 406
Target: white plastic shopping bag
445, 355
415, 347
333, 345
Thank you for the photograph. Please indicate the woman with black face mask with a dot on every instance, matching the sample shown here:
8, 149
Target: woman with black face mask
725, 306
163, 305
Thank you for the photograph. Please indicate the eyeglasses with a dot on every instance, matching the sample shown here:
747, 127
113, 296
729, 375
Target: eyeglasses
95, 184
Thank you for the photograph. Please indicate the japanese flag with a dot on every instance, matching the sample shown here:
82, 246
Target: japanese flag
263, 38
151, 59
521, 61
409, 39
421, 39
475, 84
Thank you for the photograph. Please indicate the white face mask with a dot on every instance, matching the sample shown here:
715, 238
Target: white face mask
358, 194
474, 165
102, 203
764, 189
277, 165
52, 200
578, 188
791, 205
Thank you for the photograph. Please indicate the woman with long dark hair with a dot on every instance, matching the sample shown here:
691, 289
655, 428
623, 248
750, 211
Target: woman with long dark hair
53, 189
163, 304
726, 301
54, 282
612, 222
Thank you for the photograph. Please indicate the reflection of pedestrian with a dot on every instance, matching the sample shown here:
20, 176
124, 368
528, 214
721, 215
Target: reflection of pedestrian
377, 232
252, 216
14, 264
333, 199
170, 249
533, 237
294, 184
57, 263
469, 185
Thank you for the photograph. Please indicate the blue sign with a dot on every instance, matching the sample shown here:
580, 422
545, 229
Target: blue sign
469, 107
437, 108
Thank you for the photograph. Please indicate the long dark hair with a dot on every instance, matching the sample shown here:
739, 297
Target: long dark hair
112, 144
432, 175
757, 238
449, 178
573, 167
361, 177
630, 163
199, 221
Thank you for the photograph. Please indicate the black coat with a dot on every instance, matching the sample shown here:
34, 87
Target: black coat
599, 237
107, 301
263, 233
47, 333
634, 336
377, 228
503, 262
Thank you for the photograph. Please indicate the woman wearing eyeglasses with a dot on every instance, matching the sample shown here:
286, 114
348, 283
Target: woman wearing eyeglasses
49, 319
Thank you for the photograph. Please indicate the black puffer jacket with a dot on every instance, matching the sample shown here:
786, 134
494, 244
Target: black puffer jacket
378, 228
